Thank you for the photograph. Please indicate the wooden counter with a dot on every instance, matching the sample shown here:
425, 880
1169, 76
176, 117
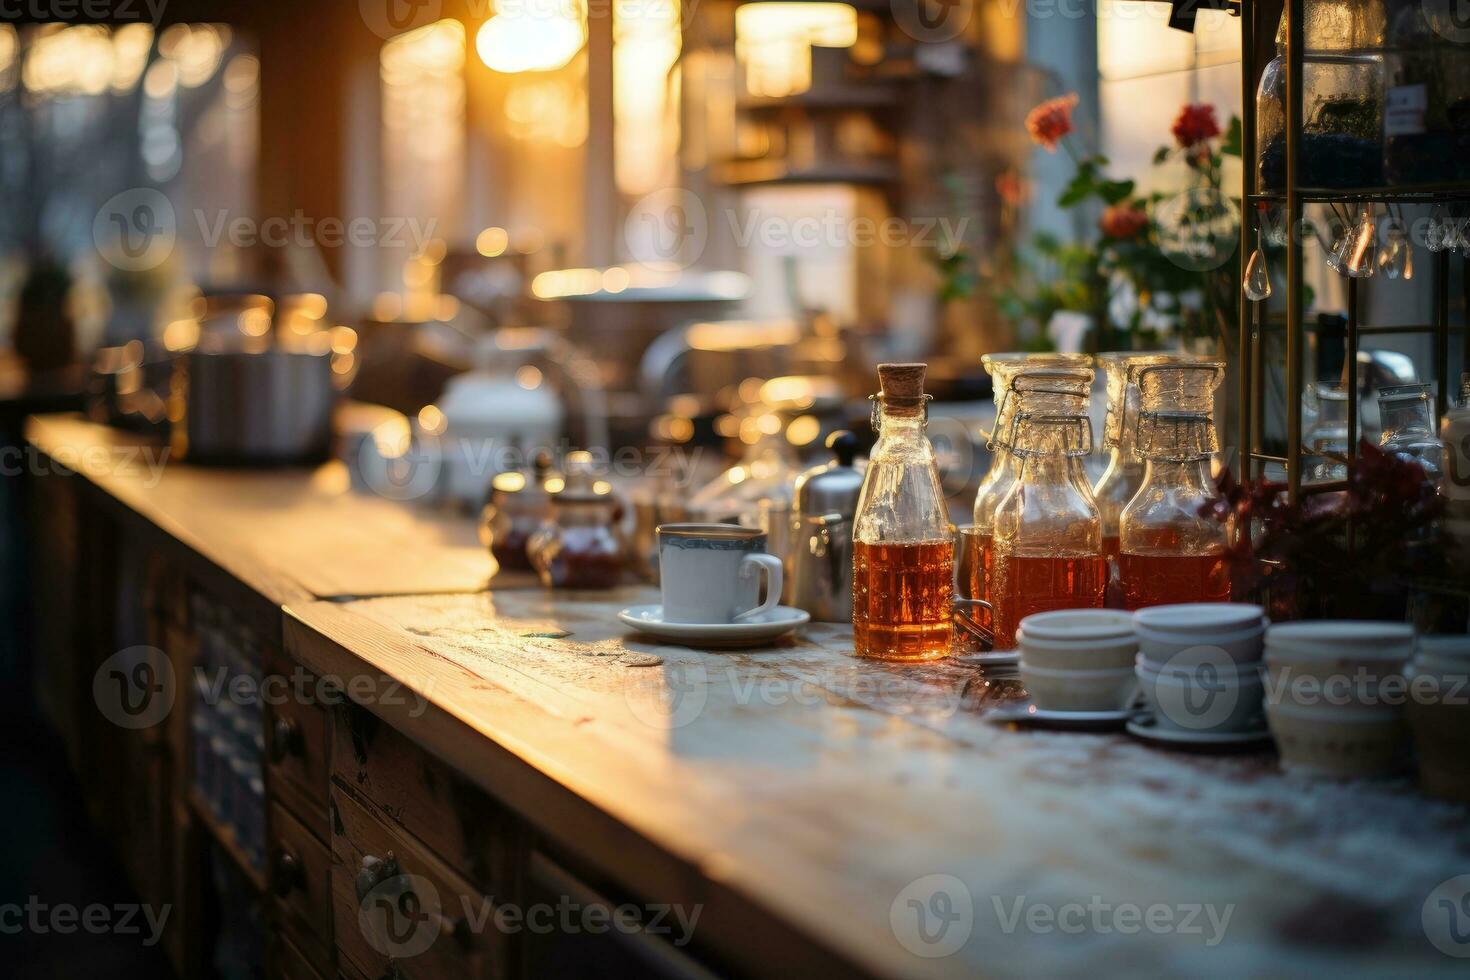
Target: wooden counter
286, 534
826, 816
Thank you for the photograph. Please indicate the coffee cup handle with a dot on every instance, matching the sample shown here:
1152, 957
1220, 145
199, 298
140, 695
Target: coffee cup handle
771, 565
963, 612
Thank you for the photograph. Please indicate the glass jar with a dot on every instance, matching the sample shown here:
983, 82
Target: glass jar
1426, 119
517, 506
578, 546
1328, 437
1408, 418
1170, 550
903, 550
1045, 385
1342, 99
1048, 535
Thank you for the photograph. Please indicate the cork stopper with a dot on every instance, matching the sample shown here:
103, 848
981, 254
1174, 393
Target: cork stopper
901, 387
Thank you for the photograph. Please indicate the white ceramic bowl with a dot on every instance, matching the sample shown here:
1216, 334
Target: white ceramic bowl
1068, 625
1337, 654
1240, 646
1192, 618
1339, 742
1339, 640
1204, 699
1441, 730
1117, 653
1078, 690
1444, 654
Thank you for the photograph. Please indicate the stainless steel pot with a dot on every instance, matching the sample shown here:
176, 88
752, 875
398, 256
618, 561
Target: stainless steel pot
821, 534
252, 407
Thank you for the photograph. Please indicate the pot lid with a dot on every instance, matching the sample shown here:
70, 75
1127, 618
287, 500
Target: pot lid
831, 488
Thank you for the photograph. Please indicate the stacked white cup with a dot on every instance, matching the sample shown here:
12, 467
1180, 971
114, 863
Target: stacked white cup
1335, 696
1199, 666
1078, 659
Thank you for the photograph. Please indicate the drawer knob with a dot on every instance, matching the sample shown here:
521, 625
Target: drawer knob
374, 871
286, 872
285, 740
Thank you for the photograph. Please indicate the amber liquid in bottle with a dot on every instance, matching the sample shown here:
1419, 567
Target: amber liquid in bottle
901, 595
1021, 586
980, 575
1164, 579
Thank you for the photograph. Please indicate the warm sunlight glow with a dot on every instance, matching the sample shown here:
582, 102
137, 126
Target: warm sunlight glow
532, 35
773, 41
646, 44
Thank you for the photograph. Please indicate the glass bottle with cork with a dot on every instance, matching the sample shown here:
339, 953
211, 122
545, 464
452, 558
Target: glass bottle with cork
1169, 551
903, 551
1048, 534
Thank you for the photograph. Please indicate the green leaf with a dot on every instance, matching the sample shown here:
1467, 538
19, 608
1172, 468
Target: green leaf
1233, 138
1114, 191
1160, 155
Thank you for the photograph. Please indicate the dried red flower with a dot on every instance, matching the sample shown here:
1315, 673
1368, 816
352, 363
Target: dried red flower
1195, 124
1123, 220
1012, 188
1051, 120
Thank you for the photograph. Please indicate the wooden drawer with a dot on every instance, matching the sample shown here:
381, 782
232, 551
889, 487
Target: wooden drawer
297, 733
301, 883
397, 905
406, 787
644, 953
289, 963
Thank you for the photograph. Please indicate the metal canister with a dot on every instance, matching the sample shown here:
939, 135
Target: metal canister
821, 533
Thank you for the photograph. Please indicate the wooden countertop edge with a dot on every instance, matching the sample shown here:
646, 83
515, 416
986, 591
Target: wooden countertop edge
524, 779
253, 583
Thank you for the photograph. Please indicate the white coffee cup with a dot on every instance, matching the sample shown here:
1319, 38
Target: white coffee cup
710, 573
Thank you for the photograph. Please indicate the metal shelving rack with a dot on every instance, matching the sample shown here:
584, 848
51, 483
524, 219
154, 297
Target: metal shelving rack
1294, 197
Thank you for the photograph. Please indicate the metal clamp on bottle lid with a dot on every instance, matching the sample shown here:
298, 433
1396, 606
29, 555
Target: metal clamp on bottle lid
1062, 435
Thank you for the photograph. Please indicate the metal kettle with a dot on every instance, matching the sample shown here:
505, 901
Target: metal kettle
821, 533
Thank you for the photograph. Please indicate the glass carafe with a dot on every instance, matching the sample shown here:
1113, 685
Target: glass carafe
1169, 551
1048, 535
1408, 418
1048, 386
1124, 474
903, 549
1342, 98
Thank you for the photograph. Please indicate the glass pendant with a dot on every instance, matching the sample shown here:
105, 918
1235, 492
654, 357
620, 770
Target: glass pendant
1257, 276
1362, 249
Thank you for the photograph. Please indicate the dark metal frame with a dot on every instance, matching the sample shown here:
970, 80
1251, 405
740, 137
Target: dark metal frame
1294, 197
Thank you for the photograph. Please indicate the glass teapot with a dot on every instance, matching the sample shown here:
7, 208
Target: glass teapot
580, 546
518, 503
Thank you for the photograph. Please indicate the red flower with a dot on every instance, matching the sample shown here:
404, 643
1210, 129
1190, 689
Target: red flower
1123, 221
1196, 123
1051, 120
1012, 188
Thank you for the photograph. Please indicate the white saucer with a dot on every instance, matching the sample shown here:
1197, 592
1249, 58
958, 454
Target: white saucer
994, 659
1140, 727
779, 621
1026, 713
